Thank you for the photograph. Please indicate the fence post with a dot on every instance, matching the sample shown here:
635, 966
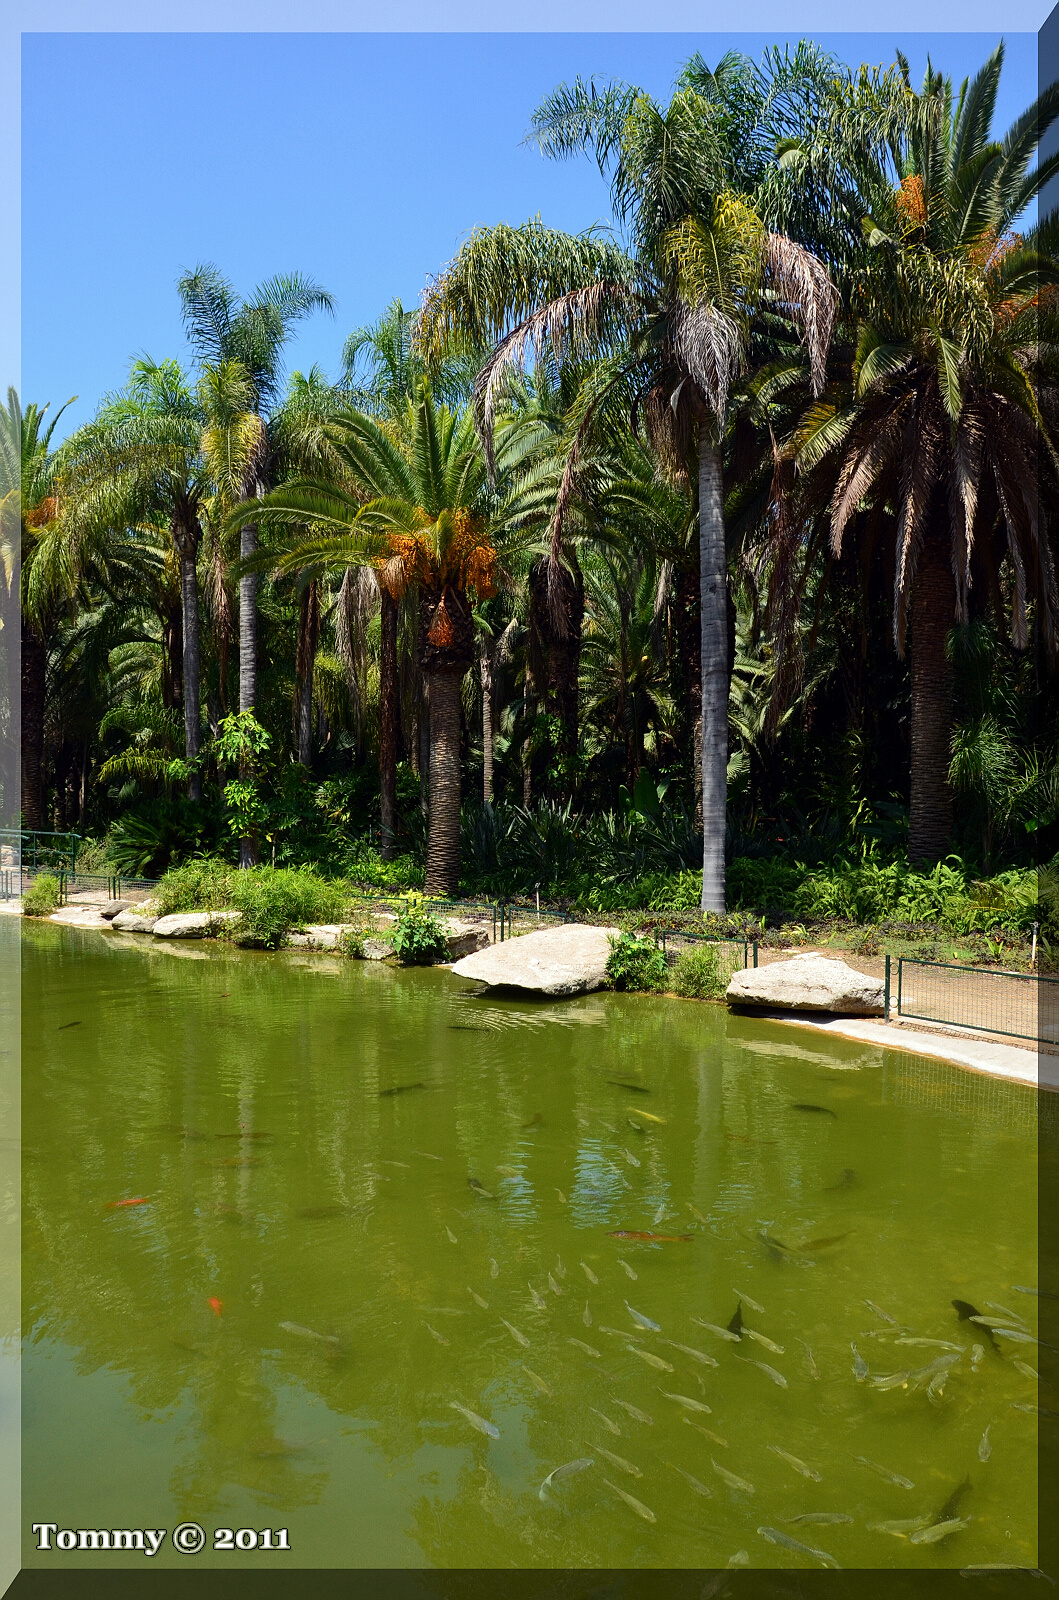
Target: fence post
886, 993
900, 974
755, 952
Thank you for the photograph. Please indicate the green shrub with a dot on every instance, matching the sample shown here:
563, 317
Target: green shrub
273, 901
199, 886
697, 975
419, 939
42, 898
635, 963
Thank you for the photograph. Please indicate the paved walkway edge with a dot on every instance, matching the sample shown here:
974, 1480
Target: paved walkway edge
977, 1055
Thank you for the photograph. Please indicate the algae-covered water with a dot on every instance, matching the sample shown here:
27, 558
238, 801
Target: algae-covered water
371, 1199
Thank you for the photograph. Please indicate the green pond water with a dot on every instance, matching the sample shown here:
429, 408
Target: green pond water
453, 1244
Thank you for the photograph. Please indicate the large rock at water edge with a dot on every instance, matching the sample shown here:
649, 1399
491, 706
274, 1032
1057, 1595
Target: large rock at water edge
808, 983
112, 907
137, 919
190, 924
465, 938
557, 961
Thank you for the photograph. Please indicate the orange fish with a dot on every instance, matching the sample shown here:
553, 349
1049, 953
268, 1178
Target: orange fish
139, 1200
215, 1305
655, 1238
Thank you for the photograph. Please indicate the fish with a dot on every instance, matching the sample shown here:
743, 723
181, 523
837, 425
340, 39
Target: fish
736, 1324
629, 1273
706, 1432
634, 1088
879, 1312
427, 1155
560, 1270
619, 1462
846, 1179
1020, 1337
696, 1213
985, 1448
860, 1366
661, 1214
752, 1333
381, 1163
533, 1122
634, 1411
618, 1333
825, 1244
823, 1111
1004, 1312
774, 1536
814, 1371
936, 1387
648, 1116
607, 1423
731, 1479
567, 1470
939, 1530
475, 1420
711, 1327
952, 1504
509, 1172
589, 1274
969, 1313
310, 1333
899, 1527
642, 1321
1037, 1411
317, 1213
977, 1352
823, 1518
400, 1088
740, 1559
465, 1027
799, 1466
215, 1305
770, 1372
494, 1268
450, 1235
538, 1382
933, 1344
884, 1472
472, 1183
776, 1245
687, 1402
689, 1350
890, 1380
562, 1197
651, 1359
553, 1286
650, 1238
630, 1158
587, 1348
538, 1299
630, 1500
637, 1127
478, 1299
1026, 1370
745, 1298
519, 1338
440, 1337
586, 1316
65, 1025
1045, 1294
136, 1200
699, 1488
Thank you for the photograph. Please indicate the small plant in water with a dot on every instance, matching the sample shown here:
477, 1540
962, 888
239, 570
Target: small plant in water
419, 939
635, 963
42, 898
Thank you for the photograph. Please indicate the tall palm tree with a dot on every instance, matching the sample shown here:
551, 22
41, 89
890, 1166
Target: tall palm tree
671, 316
955, 354
418, 505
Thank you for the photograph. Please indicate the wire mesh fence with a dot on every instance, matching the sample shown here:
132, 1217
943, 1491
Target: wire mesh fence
732, 955
1013, 1004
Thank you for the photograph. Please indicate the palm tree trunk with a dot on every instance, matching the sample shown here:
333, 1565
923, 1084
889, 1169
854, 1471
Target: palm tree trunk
689, 644
443, 837
186, 538
930, 817
713, 622
557, 609
488, 651
247, 660
34, 666
308, 638
388, 717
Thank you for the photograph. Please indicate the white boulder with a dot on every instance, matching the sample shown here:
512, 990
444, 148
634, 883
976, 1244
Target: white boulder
137, 919
808, 983
465, 938
189, 924
560, 961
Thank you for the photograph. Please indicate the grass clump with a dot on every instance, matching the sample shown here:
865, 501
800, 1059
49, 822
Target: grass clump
697, 975
419, 939
42, 897
273, 901
636, 963
204, 885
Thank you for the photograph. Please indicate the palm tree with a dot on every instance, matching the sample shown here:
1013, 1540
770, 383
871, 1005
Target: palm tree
955, 349
139, 465
671, 318
416, 504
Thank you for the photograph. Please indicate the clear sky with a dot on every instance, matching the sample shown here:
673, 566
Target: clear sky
360, 159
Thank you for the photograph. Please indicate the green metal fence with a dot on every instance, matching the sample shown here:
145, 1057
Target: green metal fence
34, 850
732, 954
1015, 1005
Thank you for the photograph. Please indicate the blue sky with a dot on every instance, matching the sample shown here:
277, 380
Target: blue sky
362, 160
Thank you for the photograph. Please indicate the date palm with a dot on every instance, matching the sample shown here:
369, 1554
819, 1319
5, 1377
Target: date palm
955, 352
669, 319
